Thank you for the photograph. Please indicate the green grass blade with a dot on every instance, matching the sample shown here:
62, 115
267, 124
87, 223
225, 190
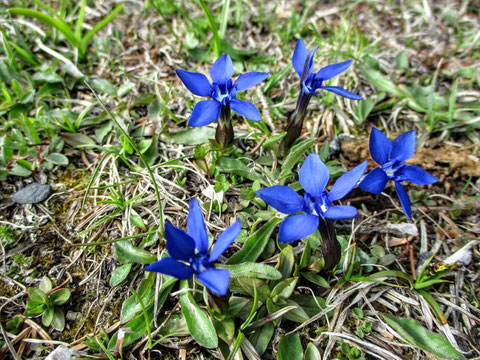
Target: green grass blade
99, 27
7, 48
224, 19
81, 16
213, 27
50, 21
145, 163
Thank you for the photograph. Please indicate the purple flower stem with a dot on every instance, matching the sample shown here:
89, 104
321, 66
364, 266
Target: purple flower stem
224, 134
295, 123
331, 248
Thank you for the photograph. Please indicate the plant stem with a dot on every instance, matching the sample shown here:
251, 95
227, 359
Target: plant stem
224, 133
331, 248
295, 123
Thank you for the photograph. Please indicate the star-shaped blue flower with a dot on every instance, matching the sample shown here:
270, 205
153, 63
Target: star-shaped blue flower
302, 61
222, 91
189, 252
316, 202
391, 157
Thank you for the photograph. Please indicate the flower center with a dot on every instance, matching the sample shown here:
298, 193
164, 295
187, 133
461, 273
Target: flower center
391, 167
199, 262
223, 92
317, 206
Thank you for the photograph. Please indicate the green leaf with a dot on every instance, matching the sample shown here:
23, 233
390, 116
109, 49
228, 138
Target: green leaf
47, 76
415, 334
57, 159
131, 307
381, 82
47, 316
250, 269
312, 353
298, 314
284, 289
77, 139
261, 337
37, 295
34, 308
250, 285
45, 284
18, 170
125, 251
60, 297
48, 20
364, 109
295, 155
254, 244
402, 61
137, 221
190, 136
101, 24
290, 348
237, 167
286, 260
120, 274
310, 304
199, 324
103, 86
58, 320
316, 279
213, 27
225, 328
306, 255
125, 89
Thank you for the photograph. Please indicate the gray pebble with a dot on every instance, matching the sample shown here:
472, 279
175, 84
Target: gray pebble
32, 194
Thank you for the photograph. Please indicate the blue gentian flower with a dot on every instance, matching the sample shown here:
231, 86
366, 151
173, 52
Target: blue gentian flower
189, 252
316, 202
302, 61
391, 157
222, 91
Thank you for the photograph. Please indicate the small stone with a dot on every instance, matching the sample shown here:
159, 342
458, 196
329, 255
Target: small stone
32, 194
62, 353
405, 228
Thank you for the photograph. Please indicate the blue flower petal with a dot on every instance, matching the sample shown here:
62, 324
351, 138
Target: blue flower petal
282, 198
342, 92
308, 66
222, 69
195, 82
226, 238
172, 267
375, 181
380, 146
416, 175
250, 79
347, 182
196, 226
299, 57
341, 212
330, 71
246, 109
403, 147
180, 246
404, 200
204, 113
216, 280
314, 175
297, 227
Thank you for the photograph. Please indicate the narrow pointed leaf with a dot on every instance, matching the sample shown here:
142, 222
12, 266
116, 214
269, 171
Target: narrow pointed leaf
416, 335
255, 243
199, 324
